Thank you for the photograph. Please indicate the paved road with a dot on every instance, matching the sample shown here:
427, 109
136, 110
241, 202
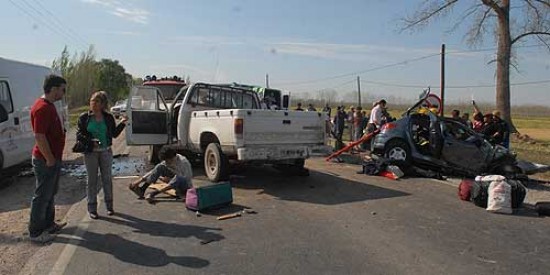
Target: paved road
333, 222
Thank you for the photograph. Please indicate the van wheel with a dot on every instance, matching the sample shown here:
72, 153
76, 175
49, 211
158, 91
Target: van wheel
398, 150
216, 165
154, 154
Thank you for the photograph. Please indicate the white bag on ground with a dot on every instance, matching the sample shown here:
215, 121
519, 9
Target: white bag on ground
500, 196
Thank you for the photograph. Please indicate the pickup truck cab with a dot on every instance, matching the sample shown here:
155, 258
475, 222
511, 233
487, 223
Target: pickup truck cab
221, 123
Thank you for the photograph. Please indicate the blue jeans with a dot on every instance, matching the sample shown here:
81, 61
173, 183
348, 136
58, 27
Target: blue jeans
43, 203
102, 161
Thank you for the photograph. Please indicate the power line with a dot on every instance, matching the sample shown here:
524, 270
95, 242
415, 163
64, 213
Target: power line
39, 20
61, 24
404, 62
454, 87
362, 71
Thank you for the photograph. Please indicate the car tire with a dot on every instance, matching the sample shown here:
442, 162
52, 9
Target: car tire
216, 164
398, 151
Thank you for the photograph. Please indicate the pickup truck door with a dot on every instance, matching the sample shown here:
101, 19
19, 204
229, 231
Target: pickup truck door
148, 117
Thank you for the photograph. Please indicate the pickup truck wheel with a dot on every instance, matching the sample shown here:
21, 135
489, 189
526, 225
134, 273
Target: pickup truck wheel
215, 163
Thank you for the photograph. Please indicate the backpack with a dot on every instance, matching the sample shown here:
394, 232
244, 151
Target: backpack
465, 189
479, 194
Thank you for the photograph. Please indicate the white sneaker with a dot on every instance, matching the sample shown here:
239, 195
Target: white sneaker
43, 238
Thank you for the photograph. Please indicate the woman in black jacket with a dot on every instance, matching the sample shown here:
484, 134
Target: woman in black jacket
96, 130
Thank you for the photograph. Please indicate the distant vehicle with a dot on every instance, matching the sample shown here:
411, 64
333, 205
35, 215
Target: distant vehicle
169, 87
119, 109
426, 140
20, 85
221, 123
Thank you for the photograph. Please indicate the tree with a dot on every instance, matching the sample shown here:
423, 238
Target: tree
80, 72
527, 19
112, 78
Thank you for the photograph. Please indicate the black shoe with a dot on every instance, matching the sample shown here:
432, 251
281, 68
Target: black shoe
110, 212
94, 215
56, 227
138, 191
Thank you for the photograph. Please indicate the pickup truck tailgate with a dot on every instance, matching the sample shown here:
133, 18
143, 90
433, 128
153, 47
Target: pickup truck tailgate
283, 127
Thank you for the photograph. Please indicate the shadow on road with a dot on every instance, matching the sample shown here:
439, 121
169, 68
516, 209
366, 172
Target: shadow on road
318, 188
162, 229
133, 252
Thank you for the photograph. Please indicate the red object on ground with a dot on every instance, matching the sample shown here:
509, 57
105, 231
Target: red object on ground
388, 175
351, 145
464, 189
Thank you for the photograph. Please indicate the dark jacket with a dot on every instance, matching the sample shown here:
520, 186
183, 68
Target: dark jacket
83, 136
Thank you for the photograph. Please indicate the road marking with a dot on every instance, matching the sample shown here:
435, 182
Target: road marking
70, 248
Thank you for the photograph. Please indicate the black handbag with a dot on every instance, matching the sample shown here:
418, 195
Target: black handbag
79, 147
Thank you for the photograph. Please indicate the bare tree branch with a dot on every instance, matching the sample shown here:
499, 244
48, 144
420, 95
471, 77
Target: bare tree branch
546, 3
494, 6
527, 34
471, 10
477, 30
427, 14
544, 42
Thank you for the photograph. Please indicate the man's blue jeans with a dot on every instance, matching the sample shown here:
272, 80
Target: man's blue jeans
43, 203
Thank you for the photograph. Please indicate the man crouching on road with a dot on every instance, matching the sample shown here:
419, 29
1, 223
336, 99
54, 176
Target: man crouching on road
174, 169
47, 153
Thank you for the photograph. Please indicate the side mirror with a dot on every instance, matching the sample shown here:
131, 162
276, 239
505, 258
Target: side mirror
3, 114
286, 101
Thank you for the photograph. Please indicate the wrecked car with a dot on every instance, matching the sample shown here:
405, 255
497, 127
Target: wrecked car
424, 139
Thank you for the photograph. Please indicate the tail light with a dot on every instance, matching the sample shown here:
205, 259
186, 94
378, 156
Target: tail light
239, 126
388, 126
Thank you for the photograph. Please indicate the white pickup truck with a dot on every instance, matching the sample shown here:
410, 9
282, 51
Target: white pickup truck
224, 124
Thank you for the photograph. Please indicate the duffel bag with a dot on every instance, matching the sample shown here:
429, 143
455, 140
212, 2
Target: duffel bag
209, 196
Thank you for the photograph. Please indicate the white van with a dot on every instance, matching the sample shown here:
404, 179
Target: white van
20, 85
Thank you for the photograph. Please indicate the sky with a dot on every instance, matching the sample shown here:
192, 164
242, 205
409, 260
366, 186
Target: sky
304, 46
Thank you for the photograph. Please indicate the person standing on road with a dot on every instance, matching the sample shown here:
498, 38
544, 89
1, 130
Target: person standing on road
339, 125
96, 130
46, 160
350, 116
375, 119
174, 169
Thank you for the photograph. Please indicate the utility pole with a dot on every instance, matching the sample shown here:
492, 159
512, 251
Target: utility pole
442, 79
358, 91
267, 80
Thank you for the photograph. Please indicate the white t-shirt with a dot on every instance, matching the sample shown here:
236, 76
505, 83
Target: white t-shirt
376, 115
183, 169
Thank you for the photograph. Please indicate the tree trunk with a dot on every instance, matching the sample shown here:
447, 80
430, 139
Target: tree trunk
503, 64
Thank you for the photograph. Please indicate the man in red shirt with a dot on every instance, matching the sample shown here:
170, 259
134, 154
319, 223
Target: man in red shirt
47, 153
